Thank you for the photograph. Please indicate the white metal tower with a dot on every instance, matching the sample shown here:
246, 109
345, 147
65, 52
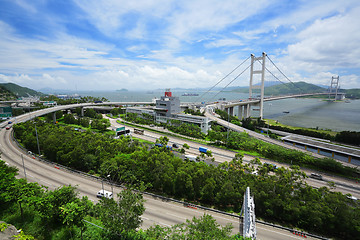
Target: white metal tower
248, 210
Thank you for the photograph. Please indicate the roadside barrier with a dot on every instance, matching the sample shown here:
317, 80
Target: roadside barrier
189, 205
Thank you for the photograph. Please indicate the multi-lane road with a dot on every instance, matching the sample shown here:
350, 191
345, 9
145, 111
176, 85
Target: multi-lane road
158, 211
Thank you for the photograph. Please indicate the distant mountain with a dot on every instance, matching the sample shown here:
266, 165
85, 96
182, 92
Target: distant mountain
20, 91
352, 93
287, 88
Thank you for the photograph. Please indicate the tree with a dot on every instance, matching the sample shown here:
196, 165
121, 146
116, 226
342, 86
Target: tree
123, 214
163, 140
204, 227
186, 146
23, 192
73, 213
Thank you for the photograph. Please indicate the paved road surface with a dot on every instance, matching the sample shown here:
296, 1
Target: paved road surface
157, 211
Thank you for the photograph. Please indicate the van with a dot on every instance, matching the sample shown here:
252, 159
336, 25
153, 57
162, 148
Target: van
191, 158
317, 176
104, 193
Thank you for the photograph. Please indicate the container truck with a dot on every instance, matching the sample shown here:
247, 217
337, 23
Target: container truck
203, 150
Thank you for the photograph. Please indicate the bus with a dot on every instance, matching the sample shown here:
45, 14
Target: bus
123, 133
139, 131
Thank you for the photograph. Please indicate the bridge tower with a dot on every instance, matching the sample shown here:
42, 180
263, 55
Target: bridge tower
248, 223
334, 84
261, 86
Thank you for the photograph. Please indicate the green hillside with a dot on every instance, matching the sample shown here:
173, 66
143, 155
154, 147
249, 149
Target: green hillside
287, 88
6, 94
20, 91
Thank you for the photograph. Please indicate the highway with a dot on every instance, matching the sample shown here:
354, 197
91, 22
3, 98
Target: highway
164, 213
221, 155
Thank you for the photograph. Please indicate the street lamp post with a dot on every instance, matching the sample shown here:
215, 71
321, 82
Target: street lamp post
22, 157
37, 139
112, 190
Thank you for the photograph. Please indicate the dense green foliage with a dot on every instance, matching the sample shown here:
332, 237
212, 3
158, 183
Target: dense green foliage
60, 214
144, 118
305, 132
282, 197
350, 137
352, 93
5, 94
193, 112
186, 129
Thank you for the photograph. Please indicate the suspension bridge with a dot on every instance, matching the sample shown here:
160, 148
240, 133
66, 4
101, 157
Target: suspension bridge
256, 99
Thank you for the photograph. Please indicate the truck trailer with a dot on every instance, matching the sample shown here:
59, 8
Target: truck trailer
203, 149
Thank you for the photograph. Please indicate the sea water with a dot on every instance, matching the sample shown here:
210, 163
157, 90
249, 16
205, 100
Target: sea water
302, 112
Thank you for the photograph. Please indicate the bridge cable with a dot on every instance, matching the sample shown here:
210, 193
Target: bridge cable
301, 90
222, 79
232, 81
273, 74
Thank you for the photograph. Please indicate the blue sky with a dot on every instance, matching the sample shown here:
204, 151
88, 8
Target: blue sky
151, 44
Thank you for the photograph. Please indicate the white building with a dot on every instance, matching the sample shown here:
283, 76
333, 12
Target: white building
167, 109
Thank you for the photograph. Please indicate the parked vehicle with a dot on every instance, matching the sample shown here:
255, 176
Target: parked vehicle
203, 150
103, 193
175, 145
191, 158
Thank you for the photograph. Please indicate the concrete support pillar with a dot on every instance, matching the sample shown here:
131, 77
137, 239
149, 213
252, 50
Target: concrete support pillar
82, 111
231, 111
240, 112
54, 117
247, 110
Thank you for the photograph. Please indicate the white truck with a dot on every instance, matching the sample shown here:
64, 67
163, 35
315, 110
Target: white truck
191, 158
103, 193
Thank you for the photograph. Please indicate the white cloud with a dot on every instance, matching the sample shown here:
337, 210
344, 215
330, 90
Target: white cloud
230, 42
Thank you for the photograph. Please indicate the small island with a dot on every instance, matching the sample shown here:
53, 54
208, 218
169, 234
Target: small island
122, 90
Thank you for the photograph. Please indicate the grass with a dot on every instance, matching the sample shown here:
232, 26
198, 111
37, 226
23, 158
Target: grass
272, 122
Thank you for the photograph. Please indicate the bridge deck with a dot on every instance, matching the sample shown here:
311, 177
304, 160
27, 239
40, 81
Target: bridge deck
354, 152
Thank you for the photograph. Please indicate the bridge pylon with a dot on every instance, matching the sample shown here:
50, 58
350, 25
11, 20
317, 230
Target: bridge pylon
334, 84
261, 86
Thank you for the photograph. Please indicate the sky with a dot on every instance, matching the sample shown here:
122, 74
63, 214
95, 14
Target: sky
99, 45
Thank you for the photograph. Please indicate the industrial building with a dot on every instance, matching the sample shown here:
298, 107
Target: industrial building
168, 108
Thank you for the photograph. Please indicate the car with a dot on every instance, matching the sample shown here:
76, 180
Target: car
152, 125
316, 176
175, 145
9, 122
271, 165
7, 128
103, 193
